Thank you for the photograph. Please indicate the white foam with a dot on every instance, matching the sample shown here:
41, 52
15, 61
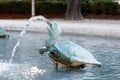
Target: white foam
33, 71
4, 67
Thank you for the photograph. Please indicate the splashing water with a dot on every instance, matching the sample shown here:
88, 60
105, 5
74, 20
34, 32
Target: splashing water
4, 66
9, 68
23, 32
33, 70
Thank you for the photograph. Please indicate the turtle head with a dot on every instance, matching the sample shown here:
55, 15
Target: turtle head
54, 31
54, 54
58, 57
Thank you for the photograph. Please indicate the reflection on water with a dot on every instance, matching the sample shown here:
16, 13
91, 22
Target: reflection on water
28, 64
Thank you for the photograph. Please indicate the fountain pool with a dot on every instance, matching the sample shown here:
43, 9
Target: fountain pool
28, 64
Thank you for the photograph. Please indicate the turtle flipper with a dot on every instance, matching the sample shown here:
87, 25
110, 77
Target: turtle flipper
55, 66
42, 50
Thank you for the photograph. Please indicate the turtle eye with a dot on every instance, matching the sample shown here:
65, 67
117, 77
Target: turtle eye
54, 53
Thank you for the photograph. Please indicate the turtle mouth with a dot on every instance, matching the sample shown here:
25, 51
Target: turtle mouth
50, 24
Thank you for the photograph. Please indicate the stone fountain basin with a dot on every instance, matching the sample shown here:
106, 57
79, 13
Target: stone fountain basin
110, 28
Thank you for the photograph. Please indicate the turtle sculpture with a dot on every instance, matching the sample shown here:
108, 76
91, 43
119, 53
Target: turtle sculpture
65, 53
3, 33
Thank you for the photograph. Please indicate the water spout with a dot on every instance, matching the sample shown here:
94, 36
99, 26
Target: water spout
22, 34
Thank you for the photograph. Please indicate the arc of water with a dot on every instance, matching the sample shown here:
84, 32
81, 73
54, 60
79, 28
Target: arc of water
16, 45
23, 32
14, 50
18, 42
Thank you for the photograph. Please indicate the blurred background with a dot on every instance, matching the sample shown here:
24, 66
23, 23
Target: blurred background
90, 9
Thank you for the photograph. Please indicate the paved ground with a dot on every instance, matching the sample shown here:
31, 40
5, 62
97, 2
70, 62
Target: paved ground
89, 27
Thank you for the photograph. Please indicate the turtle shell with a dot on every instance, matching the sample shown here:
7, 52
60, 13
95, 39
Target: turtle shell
75, 52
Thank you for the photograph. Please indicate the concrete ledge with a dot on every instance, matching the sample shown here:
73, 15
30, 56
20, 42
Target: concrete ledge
109, 28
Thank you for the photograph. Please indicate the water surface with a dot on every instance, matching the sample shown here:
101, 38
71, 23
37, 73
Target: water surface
28, 64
